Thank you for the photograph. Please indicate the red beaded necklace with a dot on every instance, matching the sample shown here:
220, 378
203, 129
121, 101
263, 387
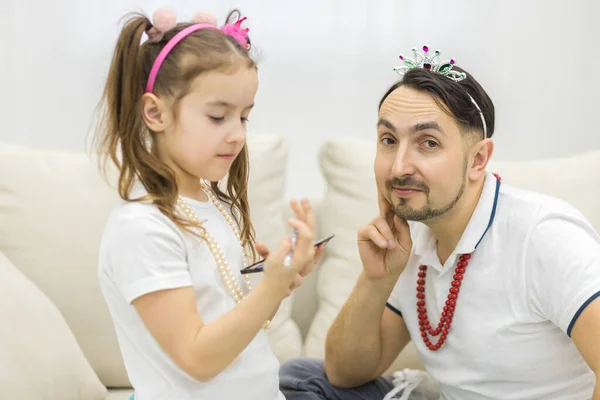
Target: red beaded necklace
448, 311
446, 319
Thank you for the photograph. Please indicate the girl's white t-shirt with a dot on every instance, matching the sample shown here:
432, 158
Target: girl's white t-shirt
143, 251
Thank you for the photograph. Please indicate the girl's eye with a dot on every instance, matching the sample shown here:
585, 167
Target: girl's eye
216, 119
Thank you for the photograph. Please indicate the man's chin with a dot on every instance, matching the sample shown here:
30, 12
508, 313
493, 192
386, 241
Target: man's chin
411, 214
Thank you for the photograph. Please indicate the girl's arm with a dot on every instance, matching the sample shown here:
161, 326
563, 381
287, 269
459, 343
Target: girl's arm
204, 350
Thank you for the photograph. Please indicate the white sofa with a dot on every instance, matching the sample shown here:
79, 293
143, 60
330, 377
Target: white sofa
56, 337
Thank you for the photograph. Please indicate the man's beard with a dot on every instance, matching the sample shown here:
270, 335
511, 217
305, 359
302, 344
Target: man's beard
407, 213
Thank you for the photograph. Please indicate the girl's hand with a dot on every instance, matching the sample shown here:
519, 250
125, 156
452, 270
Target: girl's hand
284, 279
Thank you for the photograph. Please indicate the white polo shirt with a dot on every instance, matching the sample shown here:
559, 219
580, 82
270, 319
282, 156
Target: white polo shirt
535, 265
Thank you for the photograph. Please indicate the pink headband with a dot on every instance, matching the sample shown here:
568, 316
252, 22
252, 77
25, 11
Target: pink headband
234, 30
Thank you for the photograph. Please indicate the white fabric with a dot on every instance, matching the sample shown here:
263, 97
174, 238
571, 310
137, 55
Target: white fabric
266, 188
412, 384
536, 266
53, 206
39, 356
143, 251
62, 234
349, 203
571, 178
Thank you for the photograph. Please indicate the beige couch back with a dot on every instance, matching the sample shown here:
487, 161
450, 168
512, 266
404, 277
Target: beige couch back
351, 201
53, 206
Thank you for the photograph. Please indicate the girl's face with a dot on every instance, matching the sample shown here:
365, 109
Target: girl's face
210, 129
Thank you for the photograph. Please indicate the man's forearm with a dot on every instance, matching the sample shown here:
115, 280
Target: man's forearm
353, 347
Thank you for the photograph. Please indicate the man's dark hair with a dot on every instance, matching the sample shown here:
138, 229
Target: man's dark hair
452, 97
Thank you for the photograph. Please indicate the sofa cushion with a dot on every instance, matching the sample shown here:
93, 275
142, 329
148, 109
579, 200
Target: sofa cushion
53, 206
266, 193
573, 179
39, 356
351, 201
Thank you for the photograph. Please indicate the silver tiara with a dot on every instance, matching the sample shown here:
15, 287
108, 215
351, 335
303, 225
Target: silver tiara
430, 62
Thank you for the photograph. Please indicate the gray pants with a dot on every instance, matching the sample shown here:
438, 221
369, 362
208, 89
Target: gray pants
304, 379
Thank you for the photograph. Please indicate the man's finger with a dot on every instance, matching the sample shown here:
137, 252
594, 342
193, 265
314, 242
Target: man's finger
384, 229
402, 231
384, 205
370, 233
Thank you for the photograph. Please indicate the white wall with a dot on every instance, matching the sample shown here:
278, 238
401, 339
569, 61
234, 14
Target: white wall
323, 67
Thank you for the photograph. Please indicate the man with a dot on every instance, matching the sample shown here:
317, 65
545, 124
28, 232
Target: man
497, 287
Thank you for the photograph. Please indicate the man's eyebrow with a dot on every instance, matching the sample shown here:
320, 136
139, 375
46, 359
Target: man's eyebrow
424, 126
421, 126
385, 123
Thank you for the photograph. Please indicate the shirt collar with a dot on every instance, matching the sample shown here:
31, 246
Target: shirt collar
425, 244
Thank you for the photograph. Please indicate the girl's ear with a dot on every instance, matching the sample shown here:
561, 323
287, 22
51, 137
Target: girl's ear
155, 113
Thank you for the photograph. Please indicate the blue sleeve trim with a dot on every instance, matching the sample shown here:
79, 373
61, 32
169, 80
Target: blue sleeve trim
493, 214
394, 309
578, 313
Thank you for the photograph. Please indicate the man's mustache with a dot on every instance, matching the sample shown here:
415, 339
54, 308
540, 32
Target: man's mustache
406, 182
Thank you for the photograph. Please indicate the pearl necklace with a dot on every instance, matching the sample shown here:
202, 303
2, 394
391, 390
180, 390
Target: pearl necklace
227, 275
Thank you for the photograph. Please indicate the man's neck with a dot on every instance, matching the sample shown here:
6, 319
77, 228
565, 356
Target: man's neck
449, 228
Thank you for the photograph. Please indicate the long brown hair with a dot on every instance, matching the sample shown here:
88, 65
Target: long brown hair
124, 139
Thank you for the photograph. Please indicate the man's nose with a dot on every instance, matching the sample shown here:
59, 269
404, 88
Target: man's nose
403, 163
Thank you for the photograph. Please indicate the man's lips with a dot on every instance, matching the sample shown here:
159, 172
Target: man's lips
405, 191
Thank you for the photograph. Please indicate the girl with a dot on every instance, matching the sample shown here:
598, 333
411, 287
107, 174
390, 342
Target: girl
175, 112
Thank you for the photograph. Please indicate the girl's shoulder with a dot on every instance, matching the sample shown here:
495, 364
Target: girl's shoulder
139, 219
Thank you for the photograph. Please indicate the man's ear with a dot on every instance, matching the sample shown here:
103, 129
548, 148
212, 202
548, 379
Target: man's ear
155, 113
481, 152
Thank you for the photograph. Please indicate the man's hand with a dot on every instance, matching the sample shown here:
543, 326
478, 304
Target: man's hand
384, 244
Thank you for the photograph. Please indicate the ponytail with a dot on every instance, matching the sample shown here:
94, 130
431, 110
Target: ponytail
123, 137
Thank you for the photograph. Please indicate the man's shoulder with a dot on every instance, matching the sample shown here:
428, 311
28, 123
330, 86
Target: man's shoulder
520, 207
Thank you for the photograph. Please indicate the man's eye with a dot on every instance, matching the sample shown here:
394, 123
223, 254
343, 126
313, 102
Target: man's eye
431, 144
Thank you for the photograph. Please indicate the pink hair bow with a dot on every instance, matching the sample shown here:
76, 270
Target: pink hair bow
234, 30
164, 19
237, 32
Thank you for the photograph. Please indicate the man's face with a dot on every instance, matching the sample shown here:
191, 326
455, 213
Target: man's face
421, 161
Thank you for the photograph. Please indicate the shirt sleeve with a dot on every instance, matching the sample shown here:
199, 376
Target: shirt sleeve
563, 258
393, 302
146, 255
